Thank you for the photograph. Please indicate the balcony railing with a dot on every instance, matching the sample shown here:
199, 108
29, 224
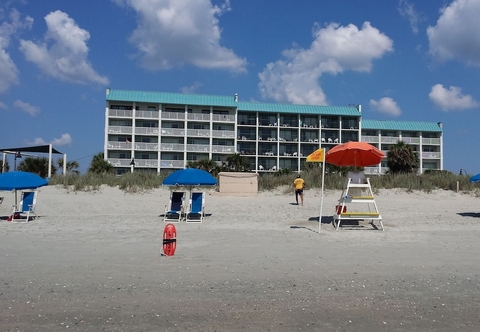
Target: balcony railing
198, 132
223, 148
116, 162
146, 130
119, 145
173, 115
223, 133
147, 114
431, 155
371, 170
198, 148
146, 146
120, 113
411, 140
146, 163
172, 163
431, 141
223, 118
370, 139
172, 147
172, 131
390, 140
198, 116
120, 130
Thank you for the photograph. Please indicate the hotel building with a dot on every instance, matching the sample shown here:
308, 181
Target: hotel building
153, 131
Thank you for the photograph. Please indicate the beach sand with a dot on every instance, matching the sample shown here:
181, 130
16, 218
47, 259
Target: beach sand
93, 261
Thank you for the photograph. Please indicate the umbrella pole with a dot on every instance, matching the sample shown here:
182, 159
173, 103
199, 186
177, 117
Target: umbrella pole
321, 197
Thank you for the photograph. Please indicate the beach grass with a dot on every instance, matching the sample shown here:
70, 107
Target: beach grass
140, 181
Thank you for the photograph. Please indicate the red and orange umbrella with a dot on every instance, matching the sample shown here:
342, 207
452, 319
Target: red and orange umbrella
358, 154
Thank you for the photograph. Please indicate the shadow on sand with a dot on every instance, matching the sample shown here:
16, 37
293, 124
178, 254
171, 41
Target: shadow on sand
469, 214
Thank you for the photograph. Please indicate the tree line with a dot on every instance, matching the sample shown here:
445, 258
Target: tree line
401, 158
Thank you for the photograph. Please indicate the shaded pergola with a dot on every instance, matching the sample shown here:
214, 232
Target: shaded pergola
47, 149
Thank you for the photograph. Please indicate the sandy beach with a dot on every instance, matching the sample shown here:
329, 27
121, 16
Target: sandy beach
93, 261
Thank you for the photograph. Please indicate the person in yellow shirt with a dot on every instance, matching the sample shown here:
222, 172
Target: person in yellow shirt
299, 185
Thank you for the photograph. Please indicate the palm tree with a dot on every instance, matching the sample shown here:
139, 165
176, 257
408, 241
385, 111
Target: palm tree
209, 165
38, 166
237, 163
100, 165
7, 166
72, 166
402, 158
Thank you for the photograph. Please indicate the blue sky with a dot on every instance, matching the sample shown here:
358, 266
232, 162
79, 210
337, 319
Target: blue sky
400, 59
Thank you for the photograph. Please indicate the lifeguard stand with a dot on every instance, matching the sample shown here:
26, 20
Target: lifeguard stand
357, 201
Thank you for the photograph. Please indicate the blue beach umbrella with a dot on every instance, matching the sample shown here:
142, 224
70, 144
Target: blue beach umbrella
20, 180
475, 178
190, 177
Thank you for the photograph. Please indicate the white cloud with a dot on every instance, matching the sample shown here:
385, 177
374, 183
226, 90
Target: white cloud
174, 33
451, 99
456, 34
8, 69
64, 140
334, 49
408, 10
386, 105
192, 88
26, 107
64, 53
3, 106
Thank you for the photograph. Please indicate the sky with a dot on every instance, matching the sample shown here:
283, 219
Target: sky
403, 60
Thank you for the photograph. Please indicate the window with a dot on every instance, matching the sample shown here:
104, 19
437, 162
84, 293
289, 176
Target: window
151, 108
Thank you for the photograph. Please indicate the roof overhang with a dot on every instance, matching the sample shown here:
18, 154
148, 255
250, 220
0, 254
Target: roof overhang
37, 149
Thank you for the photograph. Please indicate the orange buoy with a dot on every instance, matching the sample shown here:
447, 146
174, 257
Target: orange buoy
169, 239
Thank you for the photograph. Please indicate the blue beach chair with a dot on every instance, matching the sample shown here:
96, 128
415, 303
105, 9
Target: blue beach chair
197, 207
174, 211
27, 206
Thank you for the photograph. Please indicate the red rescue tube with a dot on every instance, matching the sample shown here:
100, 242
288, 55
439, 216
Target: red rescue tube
169, 239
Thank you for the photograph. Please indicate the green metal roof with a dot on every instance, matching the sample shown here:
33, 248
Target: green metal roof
402, 125
226, 101
299, 109
169, 98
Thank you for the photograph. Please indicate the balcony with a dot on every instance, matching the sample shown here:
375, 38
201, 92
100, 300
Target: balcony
223, 118
223, 148
172, 164
120, 129
411, 140
223, 134
119, 145
120, 113
198, 116
370, 139
146, 163
431, 155
390, 140
371, 170
116, 162
198, 132
146, 146
147, 114
173, 115
146, 130
198, 148
431, 141
172, 147
172, 132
